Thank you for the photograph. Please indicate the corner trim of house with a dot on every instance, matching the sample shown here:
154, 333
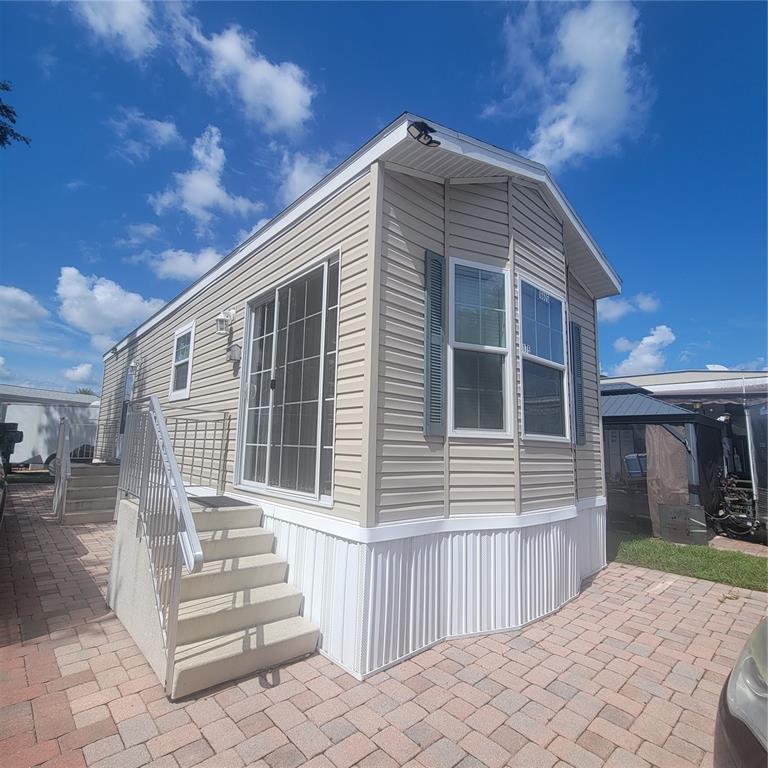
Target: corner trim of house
344, 529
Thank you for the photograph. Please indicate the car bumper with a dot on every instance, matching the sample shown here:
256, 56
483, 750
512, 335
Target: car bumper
735, 745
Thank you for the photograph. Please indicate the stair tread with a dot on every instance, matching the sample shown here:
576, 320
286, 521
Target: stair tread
232, 533
214, 649
241, 598
230, 564
226, 518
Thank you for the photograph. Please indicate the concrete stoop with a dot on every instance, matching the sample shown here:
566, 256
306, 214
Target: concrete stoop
238, 615
91, 494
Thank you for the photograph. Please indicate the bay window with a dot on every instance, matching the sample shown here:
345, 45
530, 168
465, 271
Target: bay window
290, 385
543, 349
479, 349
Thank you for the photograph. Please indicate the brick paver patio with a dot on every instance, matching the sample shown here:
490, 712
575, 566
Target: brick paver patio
626, 675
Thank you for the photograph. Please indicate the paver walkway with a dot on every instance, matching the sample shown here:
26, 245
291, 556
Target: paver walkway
626, 675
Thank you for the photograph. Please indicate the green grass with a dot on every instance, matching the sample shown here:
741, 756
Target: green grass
734, 568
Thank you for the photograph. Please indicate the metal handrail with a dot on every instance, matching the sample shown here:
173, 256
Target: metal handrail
63, 469
149, 472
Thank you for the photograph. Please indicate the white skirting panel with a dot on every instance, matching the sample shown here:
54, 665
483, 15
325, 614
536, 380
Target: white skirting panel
377, 602
424, 589
327, 570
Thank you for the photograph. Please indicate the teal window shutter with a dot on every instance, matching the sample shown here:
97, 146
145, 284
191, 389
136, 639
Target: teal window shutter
577, 373
434, 344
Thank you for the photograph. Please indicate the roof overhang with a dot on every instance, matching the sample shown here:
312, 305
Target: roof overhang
458, 159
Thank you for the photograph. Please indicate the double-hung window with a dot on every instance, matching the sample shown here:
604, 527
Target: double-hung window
479, 353
287, 443
181, 370
543, 348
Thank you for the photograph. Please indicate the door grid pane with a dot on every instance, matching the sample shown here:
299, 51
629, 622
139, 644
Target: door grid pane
293, 451
257, 418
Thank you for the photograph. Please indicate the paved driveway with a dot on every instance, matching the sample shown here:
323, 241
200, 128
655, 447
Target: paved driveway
626, 675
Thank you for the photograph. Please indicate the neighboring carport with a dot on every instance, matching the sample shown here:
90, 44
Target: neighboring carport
662, 464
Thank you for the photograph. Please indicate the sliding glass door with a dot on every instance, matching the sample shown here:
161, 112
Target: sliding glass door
290, 396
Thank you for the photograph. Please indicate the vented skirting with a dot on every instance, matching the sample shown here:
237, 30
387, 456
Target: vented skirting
378, 603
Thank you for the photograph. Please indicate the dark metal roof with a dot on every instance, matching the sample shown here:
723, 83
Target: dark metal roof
622, 388
637, 404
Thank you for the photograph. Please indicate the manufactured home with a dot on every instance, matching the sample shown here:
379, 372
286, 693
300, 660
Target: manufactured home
372, 426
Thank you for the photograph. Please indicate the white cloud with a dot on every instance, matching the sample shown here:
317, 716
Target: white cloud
79, 373
74, 185
244, 234
576, 67
177, 264
199, 192
614, 308
136, 234
21, 316
47, 62
4, 371
646, 355
757, 364
100, 307
19, 307
299, 171
275, 95
645, 302
126, 25
139, 134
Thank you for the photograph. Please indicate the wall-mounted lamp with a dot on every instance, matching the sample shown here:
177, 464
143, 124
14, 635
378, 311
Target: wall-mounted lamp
421, 132
224, 321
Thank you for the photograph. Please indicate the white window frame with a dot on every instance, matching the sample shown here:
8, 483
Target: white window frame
250, 304
564, 367
182, 394
509, 363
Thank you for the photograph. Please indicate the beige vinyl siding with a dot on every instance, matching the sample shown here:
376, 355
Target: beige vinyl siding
589, 457
546, 466
341, 221
410, 479
481, 471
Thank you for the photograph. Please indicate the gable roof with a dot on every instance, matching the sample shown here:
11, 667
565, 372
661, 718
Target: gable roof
457, 158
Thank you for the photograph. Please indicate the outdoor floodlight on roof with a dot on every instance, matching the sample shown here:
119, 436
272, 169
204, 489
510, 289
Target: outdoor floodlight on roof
421, 132
224, 320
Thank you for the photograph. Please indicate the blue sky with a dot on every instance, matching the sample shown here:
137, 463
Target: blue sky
162, 135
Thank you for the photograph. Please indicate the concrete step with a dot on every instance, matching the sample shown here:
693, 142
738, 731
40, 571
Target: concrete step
104, 470
103, 515
75, 491
231, 574
216, 615
207, 663
227, 518
220, 545
88, 480
88, 505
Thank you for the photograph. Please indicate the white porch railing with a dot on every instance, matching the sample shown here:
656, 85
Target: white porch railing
63, 469
149, 472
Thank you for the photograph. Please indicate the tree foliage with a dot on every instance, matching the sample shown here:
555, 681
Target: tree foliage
84, 391
8, 133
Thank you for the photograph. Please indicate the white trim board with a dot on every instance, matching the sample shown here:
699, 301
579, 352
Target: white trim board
344, 529
357, 165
